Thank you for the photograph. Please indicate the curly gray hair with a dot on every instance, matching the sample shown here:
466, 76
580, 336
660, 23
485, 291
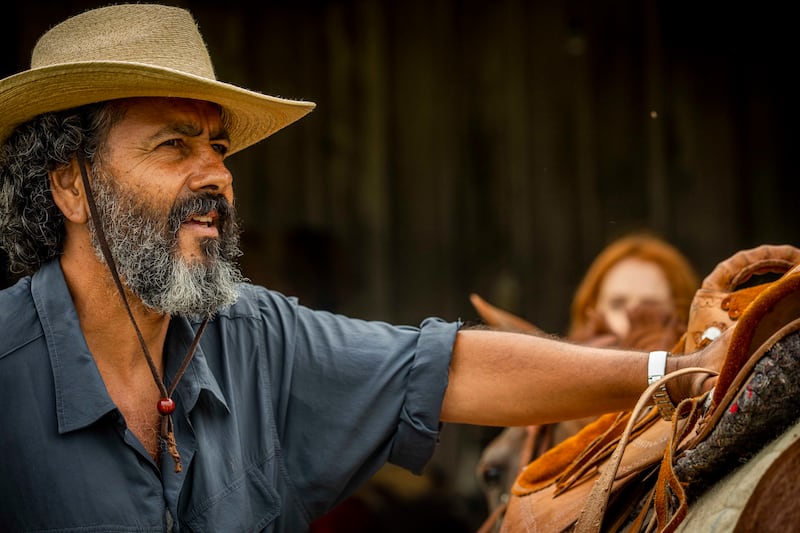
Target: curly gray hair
31, 225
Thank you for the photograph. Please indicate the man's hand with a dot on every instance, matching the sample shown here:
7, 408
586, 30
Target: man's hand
711, 357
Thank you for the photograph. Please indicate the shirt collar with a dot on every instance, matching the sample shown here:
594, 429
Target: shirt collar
81, 396
198, 376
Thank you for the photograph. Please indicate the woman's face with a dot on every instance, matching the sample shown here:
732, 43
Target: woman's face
627, 284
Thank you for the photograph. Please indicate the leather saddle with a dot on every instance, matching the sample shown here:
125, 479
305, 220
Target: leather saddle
634, 471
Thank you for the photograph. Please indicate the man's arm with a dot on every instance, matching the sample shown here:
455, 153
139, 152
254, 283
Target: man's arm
508, 379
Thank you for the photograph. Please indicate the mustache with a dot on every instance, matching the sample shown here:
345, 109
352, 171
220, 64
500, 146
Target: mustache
201, 204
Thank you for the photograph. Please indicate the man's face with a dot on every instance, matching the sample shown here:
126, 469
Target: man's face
165, 196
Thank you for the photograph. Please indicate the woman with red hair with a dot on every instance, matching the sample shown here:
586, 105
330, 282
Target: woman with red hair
635, 294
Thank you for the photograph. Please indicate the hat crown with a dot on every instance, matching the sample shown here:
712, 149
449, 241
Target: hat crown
157, 35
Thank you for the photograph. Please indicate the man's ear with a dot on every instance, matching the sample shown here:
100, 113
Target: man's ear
68, 192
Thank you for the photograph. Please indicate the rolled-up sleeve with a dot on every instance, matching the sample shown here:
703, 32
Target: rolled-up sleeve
350, 395
418, 429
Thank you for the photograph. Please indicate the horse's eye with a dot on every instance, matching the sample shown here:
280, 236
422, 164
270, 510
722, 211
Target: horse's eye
492, 475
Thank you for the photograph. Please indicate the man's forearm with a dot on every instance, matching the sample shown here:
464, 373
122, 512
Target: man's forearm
508, 379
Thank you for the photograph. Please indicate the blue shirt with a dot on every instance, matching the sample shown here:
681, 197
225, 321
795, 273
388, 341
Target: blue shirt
282, 413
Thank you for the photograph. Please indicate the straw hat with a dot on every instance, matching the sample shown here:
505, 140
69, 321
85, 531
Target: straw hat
135, 50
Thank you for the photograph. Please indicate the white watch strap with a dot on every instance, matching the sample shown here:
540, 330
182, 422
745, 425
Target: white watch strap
656, 366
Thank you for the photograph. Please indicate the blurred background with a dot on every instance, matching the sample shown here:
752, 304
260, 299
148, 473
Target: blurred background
492, 147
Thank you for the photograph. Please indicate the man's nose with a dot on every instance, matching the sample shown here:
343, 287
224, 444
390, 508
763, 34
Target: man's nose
211, 174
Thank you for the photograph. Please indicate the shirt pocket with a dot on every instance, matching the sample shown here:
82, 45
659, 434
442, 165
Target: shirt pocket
249, 503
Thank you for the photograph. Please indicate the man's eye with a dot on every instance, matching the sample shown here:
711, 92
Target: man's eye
221, 148
171, 142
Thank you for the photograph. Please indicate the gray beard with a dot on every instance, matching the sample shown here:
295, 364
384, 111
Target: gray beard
144, 246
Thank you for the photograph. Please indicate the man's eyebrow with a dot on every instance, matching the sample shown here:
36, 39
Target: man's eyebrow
189, 130
220, 135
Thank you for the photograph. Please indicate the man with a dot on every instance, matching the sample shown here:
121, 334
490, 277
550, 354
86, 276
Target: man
144, 386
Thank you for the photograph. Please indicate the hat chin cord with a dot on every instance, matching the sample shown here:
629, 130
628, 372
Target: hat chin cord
166, 405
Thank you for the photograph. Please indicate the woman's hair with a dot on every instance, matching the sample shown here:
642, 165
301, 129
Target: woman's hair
31, 225
680, 275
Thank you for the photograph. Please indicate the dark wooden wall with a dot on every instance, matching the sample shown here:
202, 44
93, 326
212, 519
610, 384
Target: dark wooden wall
495, 147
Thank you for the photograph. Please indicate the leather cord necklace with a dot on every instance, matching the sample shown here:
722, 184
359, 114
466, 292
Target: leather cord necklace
166, 405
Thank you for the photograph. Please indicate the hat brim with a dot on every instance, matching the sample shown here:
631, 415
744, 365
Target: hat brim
250, 116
